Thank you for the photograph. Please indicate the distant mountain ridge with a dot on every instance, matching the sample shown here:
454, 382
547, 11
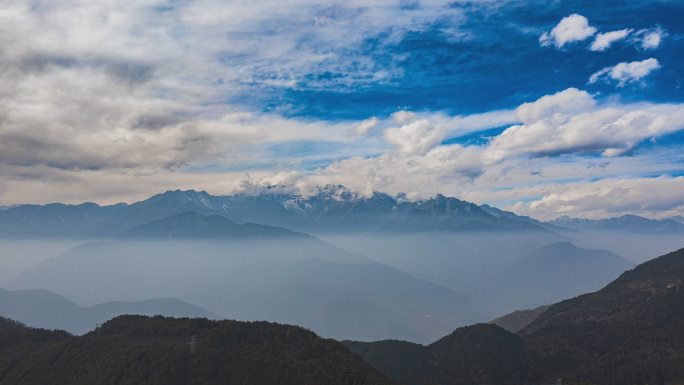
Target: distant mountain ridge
552, 273
191, 225
44, 309
304, 281
625, 223
678, 218
331, 208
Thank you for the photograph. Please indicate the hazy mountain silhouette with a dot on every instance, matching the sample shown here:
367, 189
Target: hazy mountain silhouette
272, 279
44, 309
192, 225
552, 273
625, 223
155, 351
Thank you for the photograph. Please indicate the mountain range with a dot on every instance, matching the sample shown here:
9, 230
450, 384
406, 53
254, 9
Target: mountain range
330, 209
292, 278
251, 272
629, 332
443, 262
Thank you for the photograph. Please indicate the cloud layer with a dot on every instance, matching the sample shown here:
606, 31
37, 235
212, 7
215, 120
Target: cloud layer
109, 101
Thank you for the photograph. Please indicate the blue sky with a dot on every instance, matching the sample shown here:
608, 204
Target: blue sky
546, 108
494, 62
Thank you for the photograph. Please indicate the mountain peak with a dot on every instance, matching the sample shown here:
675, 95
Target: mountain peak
337, 192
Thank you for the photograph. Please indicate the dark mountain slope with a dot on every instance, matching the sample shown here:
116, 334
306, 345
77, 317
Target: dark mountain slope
630, 332
13, 333
478, 354
517, 320
44, 309
154, 351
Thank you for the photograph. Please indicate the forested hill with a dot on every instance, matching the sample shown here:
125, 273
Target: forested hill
156, 350
629, 333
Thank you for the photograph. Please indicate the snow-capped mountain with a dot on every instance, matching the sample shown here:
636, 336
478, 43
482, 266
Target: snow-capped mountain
329, 209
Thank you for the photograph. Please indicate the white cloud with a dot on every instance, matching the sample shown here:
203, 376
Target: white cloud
414, 138
555, 129
570, 29
367, 125
651, 197
651, 38
583, 127
104, 84
561, 104
626, 72
604, 40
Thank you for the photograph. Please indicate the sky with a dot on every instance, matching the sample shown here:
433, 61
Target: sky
545, 108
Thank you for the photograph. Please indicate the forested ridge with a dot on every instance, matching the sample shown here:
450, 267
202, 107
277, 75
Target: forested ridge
158, 350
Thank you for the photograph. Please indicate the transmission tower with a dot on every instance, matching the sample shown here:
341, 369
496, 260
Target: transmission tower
193, 344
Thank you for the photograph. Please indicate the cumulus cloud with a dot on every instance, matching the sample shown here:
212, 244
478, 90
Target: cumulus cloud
650, 38
415, 136
626, 72
570, 29
652, 197
604, 40
560, 104
611, 130
554, 129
